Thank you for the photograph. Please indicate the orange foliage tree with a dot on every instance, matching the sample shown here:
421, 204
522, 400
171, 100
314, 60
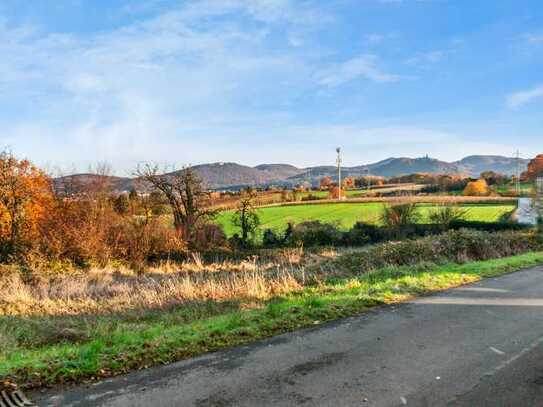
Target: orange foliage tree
535, 169
477, 188
25, 196
348, 183
334, 192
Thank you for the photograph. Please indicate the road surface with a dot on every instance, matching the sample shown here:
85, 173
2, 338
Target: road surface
478, 345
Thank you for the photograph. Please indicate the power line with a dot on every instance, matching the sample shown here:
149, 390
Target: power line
517, 184
338, 161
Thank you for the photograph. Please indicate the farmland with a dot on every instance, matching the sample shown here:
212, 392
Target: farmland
347, 214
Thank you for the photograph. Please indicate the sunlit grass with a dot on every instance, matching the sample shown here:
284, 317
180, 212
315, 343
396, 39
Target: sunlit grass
345, 215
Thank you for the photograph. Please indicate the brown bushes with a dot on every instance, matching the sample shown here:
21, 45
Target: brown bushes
79, 220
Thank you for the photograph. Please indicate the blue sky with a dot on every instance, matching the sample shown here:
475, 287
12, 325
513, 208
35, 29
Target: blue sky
258, 81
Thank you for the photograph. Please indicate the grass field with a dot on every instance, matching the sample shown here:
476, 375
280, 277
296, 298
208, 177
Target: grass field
526, 188
347, 214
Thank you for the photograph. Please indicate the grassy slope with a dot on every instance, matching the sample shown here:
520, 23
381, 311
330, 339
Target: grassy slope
125, 344
347, 214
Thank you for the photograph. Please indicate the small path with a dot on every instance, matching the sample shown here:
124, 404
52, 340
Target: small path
526, 213
477, 345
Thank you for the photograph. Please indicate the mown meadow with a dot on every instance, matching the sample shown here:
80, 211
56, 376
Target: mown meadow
345, 215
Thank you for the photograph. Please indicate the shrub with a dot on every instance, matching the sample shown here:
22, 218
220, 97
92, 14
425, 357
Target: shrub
311, 197
362, 233
209, 237
400, 215
271, 239
430, 189
315, 233
477, 188
452, 246
446, 214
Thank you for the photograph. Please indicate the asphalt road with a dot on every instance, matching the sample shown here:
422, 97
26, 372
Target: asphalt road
478, 345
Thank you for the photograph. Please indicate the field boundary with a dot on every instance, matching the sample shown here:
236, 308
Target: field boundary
404, 199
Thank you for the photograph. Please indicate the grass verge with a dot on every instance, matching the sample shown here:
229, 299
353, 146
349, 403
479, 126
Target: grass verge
130, 345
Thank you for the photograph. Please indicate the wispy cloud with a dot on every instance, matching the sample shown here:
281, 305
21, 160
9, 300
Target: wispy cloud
375, 38
150, 78
364, 66
430, 57
533, 38
518, 99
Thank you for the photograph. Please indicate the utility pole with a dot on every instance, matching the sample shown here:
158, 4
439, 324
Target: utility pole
517, 183
338, 161
367, 171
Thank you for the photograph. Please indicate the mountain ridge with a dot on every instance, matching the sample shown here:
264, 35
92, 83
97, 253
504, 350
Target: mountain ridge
230, 175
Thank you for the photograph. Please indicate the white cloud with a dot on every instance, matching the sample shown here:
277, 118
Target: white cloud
174, 68
363, 66
533, 38
375, 38
430, 57
518, 99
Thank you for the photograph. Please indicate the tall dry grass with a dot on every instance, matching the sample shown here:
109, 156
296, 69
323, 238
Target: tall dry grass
117, 289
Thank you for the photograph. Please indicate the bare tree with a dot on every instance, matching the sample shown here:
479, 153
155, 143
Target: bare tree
189, 202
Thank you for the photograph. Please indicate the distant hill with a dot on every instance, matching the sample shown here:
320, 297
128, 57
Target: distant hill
476, 164
280, 171
233, 175
404, 165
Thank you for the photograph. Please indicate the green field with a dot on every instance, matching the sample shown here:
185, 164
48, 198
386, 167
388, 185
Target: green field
347, 214
526, 188
350, 193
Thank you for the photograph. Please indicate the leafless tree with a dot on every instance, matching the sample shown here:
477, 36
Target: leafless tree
184, 191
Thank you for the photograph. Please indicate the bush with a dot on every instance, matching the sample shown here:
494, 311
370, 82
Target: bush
271, 239
315, 233
477, 188
362, 233
453, 246
430, 189
400, 215
209, 237
310, 197
446, 214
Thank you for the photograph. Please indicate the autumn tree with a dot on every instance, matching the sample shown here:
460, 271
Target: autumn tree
535, 169
184, 191
348, 183
25, 195
325, 182
477, 188
334, 192
246, 218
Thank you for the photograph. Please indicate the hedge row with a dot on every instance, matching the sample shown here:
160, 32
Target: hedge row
456, 246
316, 233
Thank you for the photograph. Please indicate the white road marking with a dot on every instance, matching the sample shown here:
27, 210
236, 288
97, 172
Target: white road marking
403, 400
506, 363
519, 302
499, 352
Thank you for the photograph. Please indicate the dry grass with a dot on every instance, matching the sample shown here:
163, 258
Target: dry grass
100, 291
